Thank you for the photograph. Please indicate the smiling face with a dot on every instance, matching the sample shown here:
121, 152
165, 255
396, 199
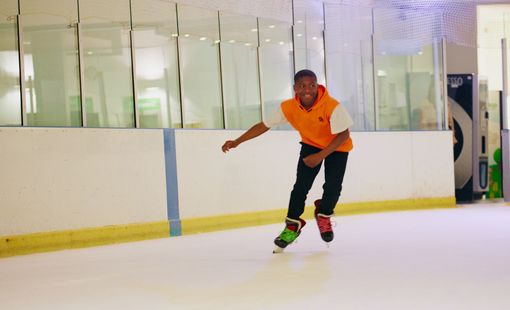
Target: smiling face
306, 89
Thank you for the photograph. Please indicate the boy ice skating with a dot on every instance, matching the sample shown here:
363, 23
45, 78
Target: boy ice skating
323, 124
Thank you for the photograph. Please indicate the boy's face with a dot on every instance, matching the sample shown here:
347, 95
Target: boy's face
306, 90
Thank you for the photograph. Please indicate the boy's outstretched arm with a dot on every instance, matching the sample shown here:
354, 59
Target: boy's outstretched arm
255, 131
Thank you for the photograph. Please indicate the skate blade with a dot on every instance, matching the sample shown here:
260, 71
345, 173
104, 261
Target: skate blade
278, 250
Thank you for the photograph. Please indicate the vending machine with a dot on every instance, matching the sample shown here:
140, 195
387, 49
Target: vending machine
467, 97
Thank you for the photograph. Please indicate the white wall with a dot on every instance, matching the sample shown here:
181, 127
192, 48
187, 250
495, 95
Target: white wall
70, 178
259, 174
58, 179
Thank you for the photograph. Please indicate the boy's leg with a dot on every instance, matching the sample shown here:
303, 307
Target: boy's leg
334, 171
304, 181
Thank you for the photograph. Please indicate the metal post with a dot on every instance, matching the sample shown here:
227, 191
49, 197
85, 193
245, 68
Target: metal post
222, 90
81, 76
179, 73
133, 66
437, 87
259, 70
374, 75
293, 34
505, 135
21, 55
445, 82
505, 83
324, 45
376, 91
133, 79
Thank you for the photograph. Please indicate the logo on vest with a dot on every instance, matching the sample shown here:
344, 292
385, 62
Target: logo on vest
321, 119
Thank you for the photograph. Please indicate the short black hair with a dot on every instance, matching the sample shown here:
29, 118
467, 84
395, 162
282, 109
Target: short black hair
303, 73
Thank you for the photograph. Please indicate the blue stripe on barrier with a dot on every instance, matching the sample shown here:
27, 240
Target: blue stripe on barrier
172, 193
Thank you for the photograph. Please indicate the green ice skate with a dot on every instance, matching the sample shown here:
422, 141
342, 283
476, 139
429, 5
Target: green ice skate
289, 234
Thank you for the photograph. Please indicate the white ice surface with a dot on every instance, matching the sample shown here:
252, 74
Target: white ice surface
434, 259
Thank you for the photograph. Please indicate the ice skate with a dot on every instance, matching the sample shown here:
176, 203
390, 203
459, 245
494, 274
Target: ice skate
324, 224
289, 234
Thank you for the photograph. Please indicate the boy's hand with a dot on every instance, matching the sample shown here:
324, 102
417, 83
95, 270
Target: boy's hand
230, 144
313, 160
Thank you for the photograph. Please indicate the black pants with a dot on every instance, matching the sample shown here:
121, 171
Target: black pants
334, 170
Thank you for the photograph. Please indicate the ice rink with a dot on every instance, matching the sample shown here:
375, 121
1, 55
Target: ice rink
433, 259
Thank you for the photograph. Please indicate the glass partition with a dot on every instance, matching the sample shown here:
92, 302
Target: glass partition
200, 67
383, 64
51, 62
504, 158
308, 37
10, 97
108, 87
276, 64
157, 81
349, 62
506, 71
239, 60
408, 68
408, 89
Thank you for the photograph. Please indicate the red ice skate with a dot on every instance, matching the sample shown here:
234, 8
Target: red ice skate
324, 223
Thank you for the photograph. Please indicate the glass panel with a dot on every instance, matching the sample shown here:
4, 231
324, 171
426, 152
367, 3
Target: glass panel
494, 142
443, 122
10, 98
240, 70
276, 66
157, 81
200, 68
409, 92
349, 61
308, 37
106, 51
491, 29
506, 118
426, 89
51, 62
493, 25
408, 68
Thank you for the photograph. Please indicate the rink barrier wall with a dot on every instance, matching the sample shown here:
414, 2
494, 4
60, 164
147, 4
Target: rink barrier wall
88, 237
52, 241
81, 238
59, 179
76, 187
232, 221
258, 175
